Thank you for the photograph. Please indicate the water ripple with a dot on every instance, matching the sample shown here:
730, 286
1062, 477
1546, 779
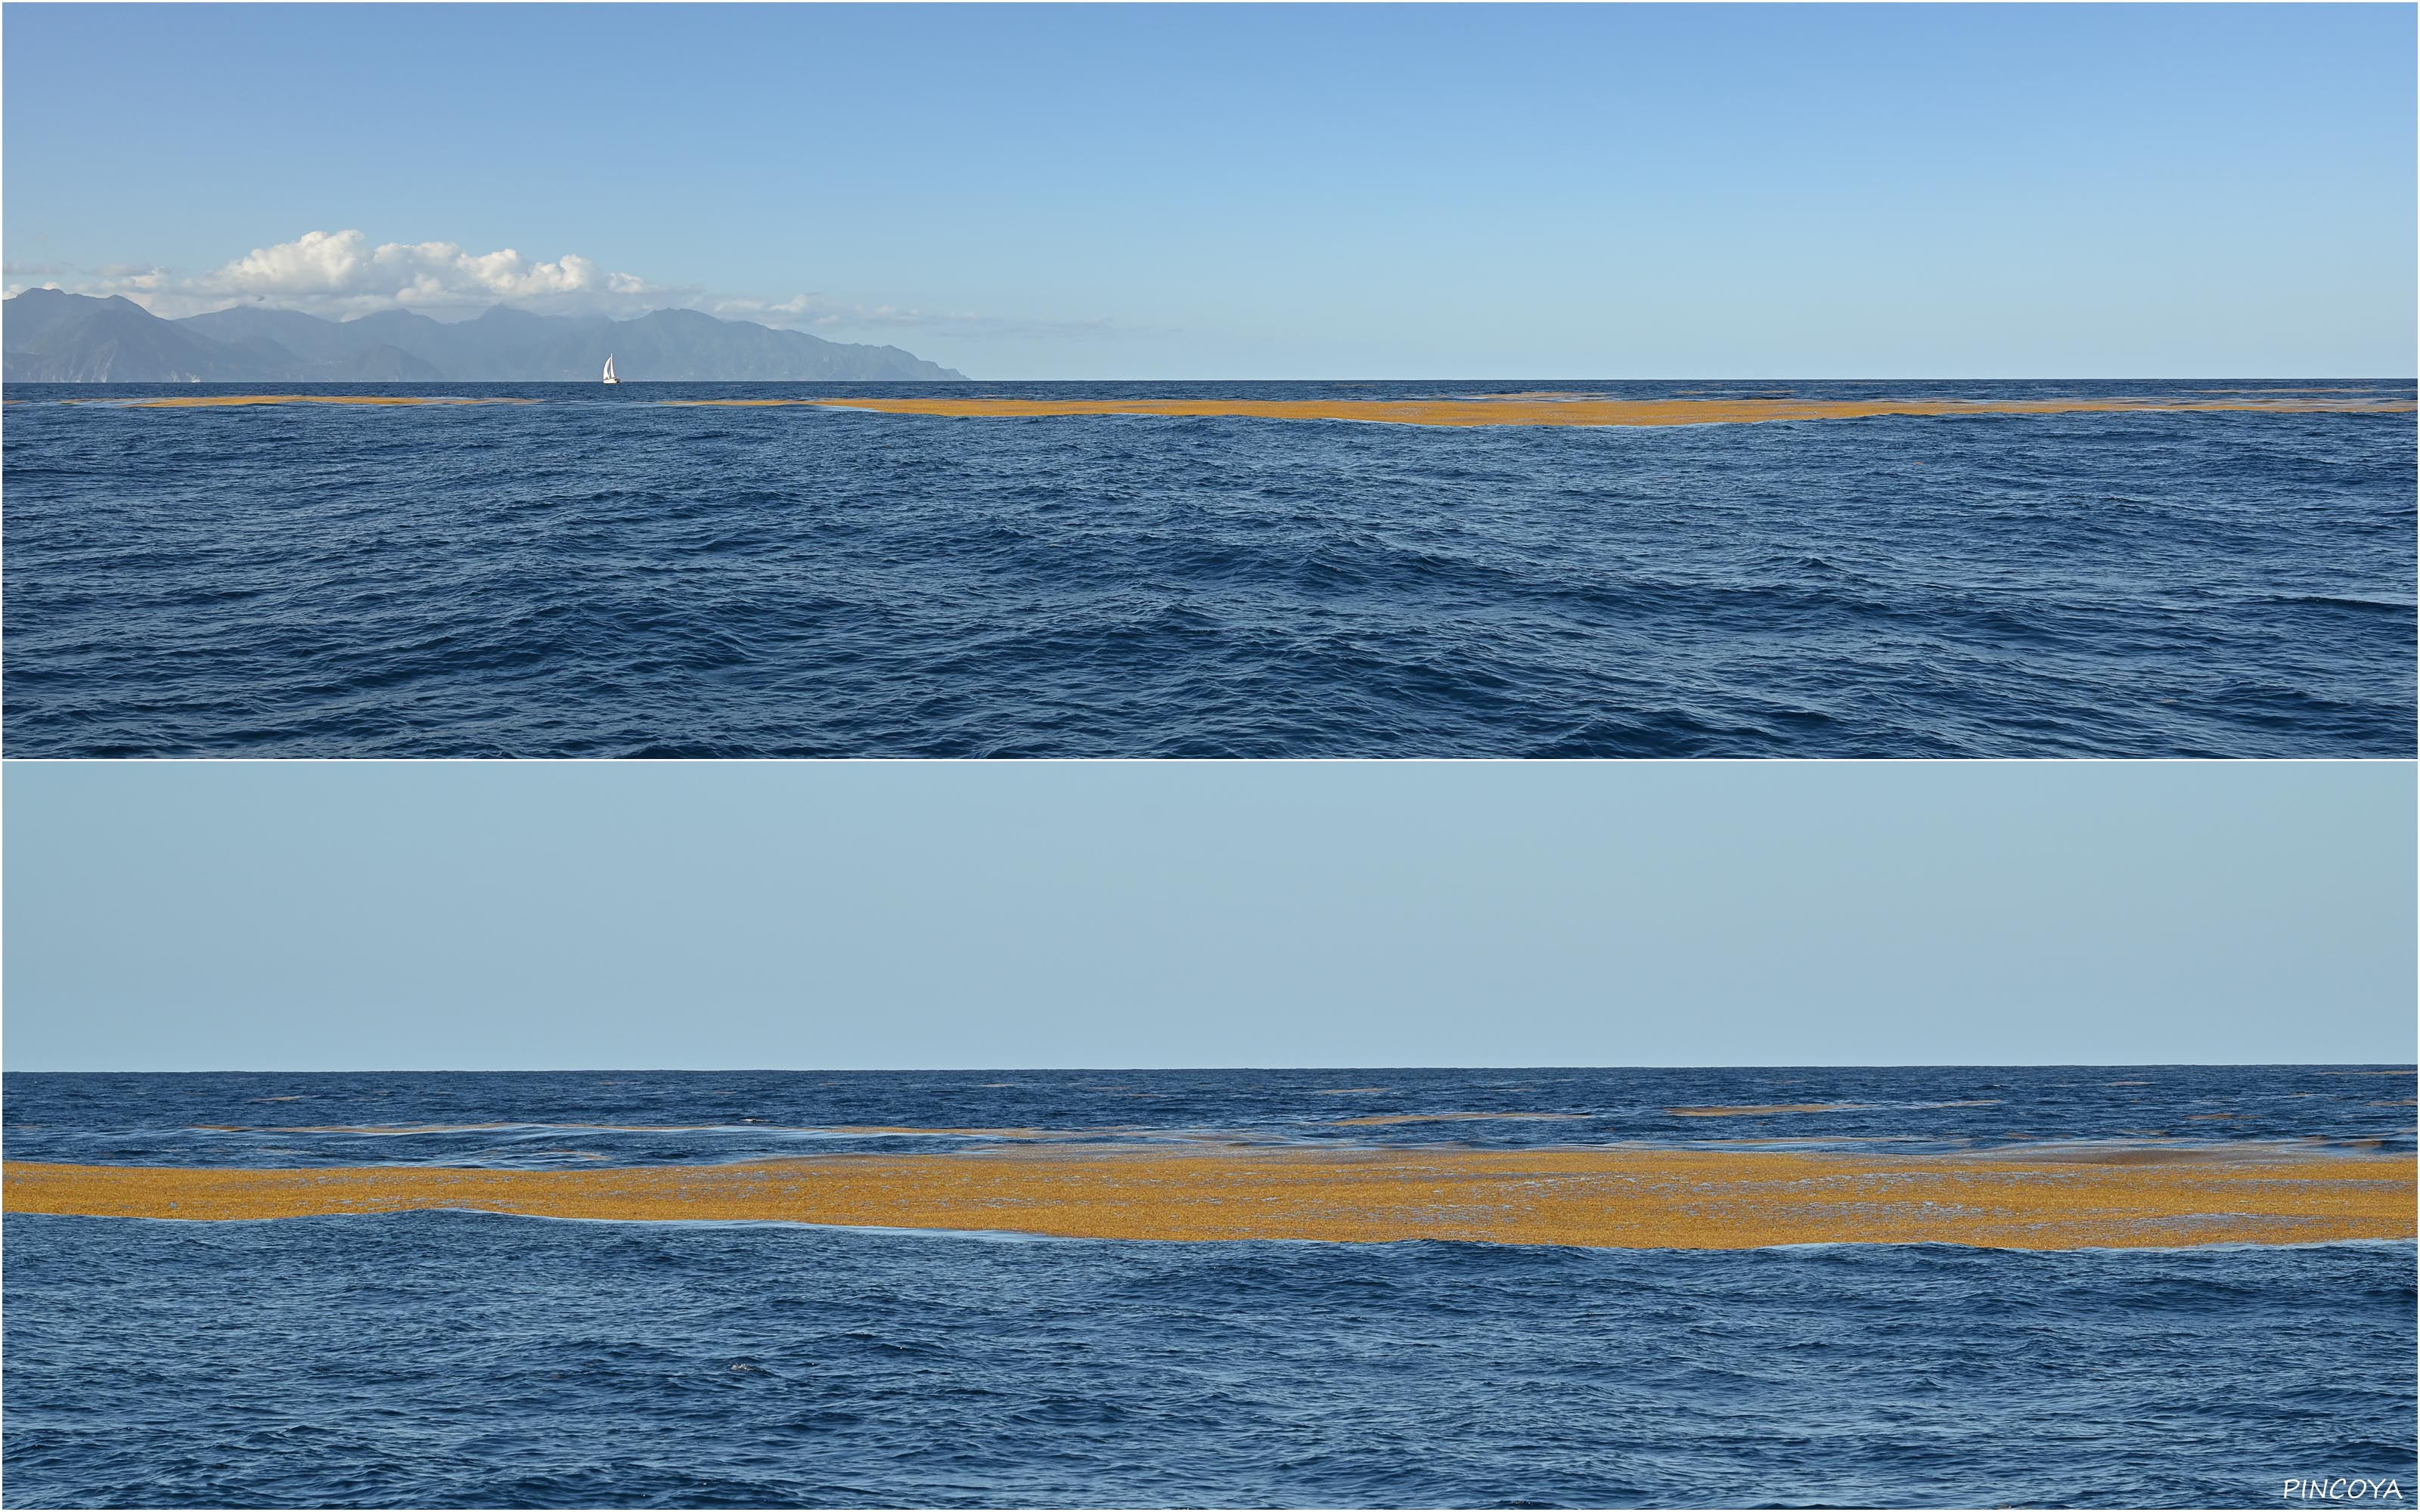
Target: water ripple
443, 1359
591, 578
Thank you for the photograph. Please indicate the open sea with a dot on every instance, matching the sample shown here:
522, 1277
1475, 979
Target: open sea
453, 1358
603, 575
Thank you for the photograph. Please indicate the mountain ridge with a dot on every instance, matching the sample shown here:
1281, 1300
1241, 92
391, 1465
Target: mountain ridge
52, 336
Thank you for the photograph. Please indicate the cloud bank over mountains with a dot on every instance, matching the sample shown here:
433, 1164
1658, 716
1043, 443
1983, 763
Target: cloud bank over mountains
341, 272
341, 275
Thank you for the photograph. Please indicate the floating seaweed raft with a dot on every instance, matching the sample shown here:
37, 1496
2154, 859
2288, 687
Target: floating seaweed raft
1584, 410
1536, 409
1615, 1197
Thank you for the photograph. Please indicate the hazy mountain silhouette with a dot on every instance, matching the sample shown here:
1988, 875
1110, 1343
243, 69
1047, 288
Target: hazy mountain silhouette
50, 336
69, 338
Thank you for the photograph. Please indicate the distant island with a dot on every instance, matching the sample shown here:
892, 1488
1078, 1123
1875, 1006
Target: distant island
50, 336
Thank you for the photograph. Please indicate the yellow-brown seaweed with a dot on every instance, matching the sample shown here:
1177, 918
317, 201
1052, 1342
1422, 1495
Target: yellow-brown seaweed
1568, 409
1542, 408
1619, 1196
1760, 1109
213, 401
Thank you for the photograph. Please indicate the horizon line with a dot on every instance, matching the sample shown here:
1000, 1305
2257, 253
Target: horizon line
930, 1071
1967, 377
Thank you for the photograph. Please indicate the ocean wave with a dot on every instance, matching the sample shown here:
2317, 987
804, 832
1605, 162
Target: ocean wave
584, 578
458, 1359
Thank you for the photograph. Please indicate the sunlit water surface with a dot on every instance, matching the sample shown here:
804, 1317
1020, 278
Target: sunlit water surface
473, 1359
604, 574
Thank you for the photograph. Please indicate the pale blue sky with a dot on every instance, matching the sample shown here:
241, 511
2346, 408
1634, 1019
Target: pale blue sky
1281, 191
299, 916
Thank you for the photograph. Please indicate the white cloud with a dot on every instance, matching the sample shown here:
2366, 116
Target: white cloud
340, 275
339, 272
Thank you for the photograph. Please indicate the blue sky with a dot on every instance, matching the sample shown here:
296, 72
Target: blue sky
1275, 191
299, 916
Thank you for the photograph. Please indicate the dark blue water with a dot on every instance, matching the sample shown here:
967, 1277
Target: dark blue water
625, 1118
606, 575
448, 1359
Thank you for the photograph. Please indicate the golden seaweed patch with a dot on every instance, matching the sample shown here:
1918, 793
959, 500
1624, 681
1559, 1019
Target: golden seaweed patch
1759, 1109
1614, 1198
1457, 1117
1536, 408
214, 401
1578, 409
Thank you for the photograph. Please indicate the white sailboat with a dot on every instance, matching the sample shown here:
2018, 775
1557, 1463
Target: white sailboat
608, 369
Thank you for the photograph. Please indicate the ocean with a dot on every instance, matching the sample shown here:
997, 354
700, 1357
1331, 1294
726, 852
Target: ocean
604, 574
450, 1358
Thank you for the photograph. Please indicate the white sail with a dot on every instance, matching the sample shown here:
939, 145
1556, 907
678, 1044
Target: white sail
608, 369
